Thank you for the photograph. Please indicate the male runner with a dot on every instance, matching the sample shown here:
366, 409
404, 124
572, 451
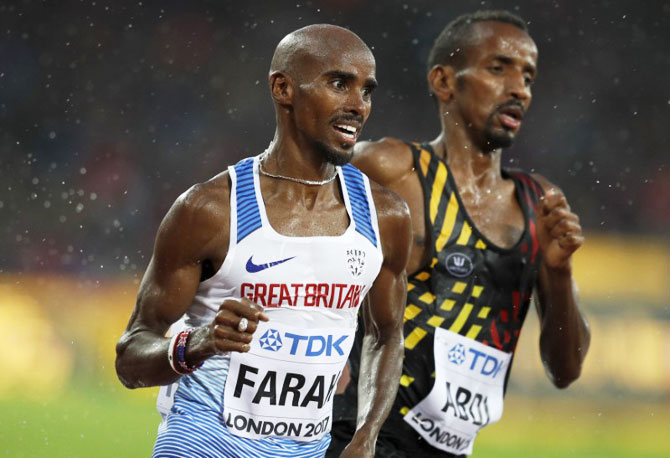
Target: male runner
484, 238
268, 263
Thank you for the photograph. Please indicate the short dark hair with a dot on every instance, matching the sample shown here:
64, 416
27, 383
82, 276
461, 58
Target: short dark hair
450, 44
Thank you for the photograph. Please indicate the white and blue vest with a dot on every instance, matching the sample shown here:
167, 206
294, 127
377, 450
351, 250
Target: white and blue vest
278, 396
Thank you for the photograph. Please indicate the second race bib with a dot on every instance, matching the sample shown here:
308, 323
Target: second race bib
467, 395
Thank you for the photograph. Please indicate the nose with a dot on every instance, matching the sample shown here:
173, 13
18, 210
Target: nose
357, 103
518, 88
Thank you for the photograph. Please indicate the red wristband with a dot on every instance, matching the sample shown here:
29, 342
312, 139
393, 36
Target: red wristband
177, 353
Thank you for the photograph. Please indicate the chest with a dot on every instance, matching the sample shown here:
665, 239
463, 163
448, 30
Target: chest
496, 215
306, 219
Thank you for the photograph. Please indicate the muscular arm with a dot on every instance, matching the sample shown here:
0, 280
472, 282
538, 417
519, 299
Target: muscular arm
564, 331
190, 234
382, 352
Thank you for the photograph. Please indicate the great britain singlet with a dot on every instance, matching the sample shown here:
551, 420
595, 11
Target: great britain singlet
276, 400
463, 315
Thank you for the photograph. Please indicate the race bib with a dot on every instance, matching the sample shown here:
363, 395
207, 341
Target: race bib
165, 397
284, 386
467, 395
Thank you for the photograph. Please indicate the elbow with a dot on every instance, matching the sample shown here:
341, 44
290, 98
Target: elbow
123, 376
565, 366
563, 375
121, 366
566, 380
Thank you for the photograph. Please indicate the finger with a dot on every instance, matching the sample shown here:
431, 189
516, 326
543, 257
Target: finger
553, 199
556, 216
225, 333
230, 320
565, 227
230, 345
262, 316
244, 308
571, 242
227, 318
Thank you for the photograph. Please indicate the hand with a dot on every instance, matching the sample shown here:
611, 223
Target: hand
558, 231
223, 333
225, 329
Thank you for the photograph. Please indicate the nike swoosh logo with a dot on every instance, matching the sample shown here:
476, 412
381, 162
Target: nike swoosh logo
253, 268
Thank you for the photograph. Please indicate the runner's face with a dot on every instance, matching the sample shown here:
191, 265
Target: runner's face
494, 88
333, 101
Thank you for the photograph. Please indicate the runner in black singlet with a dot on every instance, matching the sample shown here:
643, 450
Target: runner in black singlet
484, 238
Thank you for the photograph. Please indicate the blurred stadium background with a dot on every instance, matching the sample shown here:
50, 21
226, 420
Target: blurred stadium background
109, 110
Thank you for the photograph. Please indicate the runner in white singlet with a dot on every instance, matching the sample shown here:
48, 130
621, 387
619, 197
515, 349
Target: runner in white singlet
267, 265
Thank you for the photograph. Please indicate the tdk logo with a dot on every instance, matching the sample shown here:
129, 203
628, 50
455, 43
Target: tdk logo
486, 365
303, 345
315, 345
457, 354
271, 340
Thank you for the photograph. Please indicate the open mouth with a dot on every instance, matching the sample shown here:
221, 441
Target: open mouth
511, 116
350, 133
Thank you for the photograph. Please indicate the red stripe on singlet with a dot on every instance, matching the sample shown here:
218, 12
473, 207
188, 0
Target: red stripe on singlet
533, 235
534, 187
495, 336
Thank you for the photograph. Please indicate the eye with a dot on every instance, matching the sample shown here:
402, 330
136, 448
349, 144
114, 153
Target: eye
367, 92
338, 83
496, 69
528, 81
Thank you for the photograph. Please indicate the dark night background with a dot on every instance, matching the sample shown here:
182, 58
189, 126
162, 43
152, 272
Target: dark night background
109, 110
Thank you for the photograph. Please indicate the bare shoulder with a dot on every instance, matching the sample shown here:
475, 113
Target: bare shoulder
395, 223
199, 219
388, 203
205, 201
384, 161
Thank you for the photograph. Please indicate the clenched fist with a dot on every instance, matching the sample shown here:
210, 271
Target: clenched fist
558, 230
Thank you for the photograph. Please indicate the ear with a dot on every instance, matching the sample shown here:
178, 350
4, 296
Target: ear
442, 82
281, 88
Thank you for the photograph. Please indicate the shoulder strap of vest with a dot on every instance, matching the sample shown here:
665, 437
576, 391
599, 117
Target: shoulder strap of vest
248, 214
362, 207
530, 189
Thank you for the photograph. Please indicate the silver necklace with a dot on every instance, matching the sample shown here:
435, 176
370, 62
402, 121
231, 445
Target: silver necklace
296, 180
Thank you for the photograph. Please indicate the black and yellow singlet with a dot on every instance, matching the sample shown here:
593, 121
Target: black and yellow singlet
472, 287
